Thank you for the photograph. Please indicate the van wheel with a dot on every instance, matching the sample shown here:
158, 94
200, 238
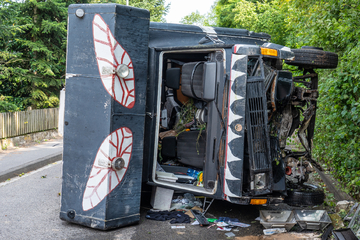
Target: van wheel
305, 195
313, 57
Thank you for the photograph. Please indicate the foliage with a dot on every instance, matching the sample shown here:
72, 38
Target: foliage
258, 16
195, 18
331, 24
33, 51
33, 48
6, 106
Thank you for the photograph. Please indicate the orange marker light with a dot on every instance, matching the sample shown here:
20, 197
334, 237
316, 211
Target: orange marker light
269, 52
258, 201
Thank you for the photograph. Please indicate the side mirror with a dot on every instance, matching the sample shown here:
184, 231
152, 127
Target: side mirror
173, 78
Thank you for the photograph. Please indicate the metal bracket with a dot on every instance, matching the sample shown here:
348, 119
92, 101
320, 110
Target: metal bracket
209, 202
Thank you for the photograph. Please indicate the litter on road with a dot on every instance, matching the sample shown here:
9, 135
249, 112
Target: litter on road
174, 227
230, 234
272, 231
178, 217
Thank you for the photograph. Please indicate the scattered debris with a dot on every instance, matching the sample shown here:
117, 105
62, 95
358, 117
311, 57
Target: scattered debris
351, 213
336, 221
239, 224
211, 220
346, 233
272, 231
211, 225
343, 205
196, 222
227, 219
355, 223
178, 217
230, 234
188, 201
283, 236
174, 227
200, 217
223, 229
222, 224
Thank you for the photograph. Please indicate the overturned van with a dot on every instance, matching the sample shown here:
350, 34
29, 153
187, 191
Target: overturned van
144, 98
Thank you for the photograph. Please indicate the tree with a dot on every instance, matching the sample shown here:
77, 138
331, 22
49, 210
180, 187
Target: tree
33, 48
34, 52
195, 18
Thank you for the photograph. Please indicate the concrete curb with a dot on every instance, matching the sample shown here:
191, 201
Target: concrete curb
36, 164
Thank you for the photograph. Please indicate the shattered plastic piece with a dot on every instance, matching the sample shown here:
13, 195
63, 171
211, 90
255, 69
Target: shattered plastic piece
211, 220
227, 219
224, 229
272, 231
196, 222
173, 227
230, 234
211, 225
222, 224
239, 224
257, 219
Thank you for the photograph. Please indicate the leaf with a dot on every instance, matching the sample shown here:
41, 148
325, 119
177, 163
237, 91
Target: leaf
109, 55
103, 179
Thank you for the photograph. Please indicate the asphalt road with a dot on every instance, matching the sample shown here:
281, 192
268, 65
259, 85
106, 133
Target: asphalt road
30, 206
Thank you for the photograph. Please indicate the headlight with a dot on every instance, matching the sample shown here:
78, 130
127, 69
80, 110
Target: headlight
260, 181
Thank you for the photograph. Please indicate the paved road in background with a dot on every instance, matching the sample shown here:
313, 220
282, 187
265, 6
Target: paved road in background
16, 161
30, 206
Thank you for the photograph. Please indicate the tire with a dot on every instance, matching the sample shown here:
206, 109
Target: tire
305, 195
312, 57
314, 48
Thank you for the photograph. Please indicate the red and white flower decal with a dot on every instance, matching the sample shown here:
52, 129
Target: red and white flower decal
109, 55
103, 178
